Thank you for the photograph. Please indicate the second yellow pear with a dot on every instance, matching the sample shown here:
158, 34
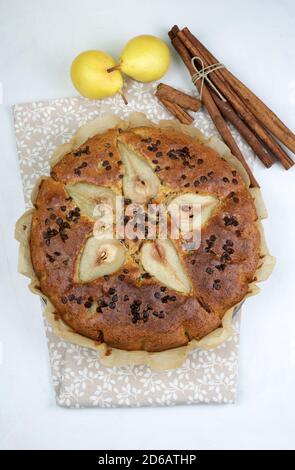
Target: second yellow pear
145, 58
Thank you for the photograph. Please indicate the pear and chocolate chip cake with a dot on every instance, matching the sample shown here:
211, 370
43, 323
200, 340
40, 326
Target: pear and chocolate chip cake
140, 293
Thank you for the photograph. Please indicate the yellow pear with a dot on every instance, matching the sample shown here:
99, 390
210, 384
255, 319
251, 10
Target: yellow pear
144, 58
89, 75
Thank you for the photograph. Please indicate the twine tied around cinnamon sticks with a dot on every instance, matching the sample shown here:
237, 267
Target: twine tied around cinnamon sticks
260, 127
203, 73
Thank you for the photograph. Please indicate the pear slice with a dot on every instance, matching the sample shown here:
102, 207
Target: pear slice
160, 259
100, 257
89, 196
190, 211
140, 182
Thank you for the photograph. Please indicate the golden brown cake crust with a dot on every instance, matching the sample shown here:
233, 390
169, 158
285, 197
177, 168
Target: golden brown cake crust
220, 269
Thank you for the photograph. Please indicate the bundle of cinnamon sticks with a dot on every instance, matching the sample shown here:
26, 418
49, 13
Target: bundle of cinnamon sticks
259, 126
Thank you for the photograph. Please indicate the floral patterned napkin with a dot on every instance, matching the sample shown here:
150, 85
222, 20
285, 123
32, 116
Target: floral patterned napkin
78, 377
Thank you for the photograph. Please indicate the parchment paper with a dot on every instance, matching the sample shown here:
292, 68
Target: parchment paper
79, 379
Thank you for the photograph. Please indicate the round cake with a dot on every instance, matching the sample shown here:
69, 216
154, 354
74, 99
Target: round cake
141, 292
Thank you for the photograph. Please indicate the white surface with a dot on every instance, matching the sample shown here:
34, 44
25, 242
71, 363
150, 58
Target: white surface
38, 40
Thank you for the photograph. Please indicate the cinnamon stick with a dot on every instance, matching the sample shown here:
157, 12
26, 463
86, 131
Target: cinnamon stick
177, 111
239, 107
176, 96
228, 112
224, 80
211, 106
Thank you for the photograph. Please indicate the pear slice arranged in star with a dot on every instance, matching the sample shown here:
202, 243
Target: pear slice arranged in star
160, 259
189, 211
140, 182
100, 257
90, 197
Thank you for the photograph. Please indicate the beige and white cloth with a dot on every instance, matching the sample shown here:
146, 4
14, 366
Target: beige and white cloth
78, 377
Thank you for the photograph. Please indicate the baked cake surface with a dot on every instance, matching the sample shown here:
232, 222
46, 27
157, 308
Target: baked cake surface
131, 308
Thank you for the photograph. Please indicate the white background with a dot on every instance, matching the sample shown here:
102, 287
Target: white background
256, 39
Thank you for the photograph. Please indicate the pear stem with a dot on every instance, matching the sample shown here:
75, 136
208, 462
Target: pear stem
112, 69
123, 97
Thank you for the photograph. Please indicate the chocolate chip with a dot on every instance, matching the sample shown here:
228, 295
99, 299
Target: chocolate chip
230, 221
209, 271
159, 154
220, 267
63, 236
126, 298
79, 152
111, 290
234, 181
200, 161
225, 257
216, 284
145, 317
225, 180
146, 276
